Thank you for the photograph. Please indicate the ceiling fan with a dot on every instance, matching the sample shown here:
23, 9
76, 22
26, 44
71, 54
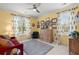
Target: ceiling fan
35, 7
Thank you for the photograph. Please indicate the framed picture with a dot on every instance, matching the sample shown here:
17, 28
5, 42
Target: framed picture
54, 20
48, 22
38, 25
47, 19
33, 25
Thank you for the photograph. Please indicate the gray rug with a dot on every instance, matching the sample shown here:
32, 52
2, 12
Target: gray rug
34, 47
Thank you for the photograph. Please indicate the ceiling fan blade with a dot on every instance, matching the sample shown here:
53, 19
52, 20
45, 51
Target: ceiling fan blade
37, 10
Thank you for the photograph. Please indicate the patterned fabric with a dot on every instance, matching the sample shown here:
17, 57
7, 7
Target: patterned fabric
34, 47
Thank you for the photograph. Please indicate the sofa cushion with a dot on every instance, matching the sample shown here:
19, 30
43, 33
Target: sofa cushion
6, 37
14, 41
3, 42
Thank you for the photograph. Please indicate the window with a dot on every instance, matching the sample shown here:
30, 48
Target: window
66, 22
21, 25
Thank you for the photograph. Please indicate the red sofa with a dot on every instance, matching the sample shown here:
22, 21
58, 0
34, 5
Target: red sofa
6, 50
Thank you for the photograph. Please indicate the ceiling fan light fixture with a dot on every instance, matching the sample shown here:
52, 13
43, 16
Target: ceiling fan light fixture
34, 9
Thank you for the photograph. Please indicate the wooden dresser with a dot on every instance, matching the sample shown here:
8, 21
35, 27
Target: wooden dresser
74, 46
46, 35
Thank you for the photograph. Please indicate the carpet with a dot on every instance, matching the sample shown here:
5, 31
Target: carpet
34, 47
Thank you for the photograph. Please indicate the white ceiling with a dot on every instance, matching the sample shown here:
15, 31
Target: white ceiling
23, 8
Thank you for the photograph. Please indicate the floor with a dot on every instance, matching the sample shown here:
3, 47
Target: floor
58, 49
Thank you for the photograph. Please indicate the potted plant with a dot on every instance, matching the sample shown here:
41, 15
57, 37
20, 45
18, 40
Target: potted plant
74, 35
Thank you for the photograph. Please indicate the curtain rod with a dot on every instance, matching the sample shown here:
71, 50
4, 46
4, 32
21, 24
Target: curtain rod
19, 15
68, 9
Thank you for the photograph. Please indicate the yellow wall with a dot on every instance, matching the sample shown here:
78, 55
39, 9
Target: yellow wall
34, 21
5, 20
6, 17
77, 22
64, 38
50, 15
